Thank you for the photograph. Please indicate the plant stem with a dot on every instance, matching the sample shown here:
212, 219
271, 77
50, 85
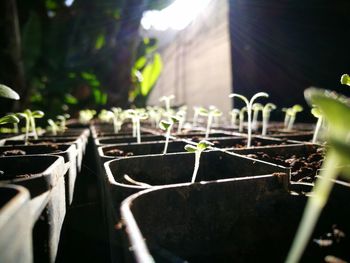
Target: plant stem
32, 121
291, 122
265, 123
138, 130
317, 129
197, 156
249, 127
133, 128
314, 207
255, 119
15, 128
241, 122
210, 119
286, 120
167, 136
195, 117
27, 130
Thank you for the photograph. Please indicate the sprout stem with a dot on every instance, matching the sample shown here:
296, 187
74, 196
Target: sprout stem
197, 156
210, 120
32, 121
167, 137
138, 130
314, 206
317, 129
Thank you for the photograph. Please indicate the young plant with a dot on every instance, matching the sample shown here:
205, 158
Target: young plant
118, 119
266, 116
334, 109
292, 112
63, 120
167, 127
30, 117
167, 100
234, 114
197, 150
286, 117
317, 113
249, 105
136, 116
53, 126
85, 116
256, 108
196, 112
11, 118
181, 116
241, 119
210, 113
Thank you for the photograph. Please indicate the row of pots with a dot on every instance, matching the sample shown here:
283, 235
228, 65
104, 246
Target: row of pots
241, 196
38, 181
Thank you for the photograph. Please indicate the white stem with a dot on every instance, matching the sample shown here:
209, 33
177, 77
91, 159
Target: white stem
255, 119
317, 129
233, 120
138, 130
27, 130
134, 128
266, 118
197, 156
249, 127
115, 124
241, 122
179, 127
291, 122
167, 137
314, 207
210, 119
15, 128
286, 120
195, 118
33, 128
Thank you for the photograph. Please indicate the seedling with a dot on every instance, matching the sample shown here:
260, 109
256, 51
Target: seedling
136, 116
334, 109
155, 114
30, 117
241, 119
234, 114
197, 150
63, 118
249, 105
181, 116
286, 117
167, 100
85, 116
118, 119
167, 126
53, 126
11, 118
6, 92
256, 108
196, 112
211, 113
292, 112
317, 113
266, 116
345, 79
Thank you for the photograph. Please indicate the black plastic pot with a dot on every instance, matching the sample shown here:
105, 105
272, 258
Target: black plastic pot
67, 151
43, 177
15, 229
239, 220
127, 139
80, 144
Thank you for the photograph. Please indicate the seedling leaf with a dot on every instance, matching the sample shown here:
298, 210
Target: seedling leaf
38, 114
164, 125
7, 92
202, 145
190, 148
345, 79
9, 119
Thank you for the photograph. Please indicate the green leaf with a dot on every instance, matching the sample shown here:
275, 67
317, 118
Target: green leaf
7, 92
316, 112
9, 119
203, 111
164, 125
334, 110
140, 63
150, 74
345, 79
202, 145
38, 114
190, 148
297, 108
100, 41
70, 99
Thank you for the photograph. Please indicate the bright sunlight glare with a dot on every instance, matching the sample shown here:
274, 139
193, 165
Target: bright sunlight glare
176, 16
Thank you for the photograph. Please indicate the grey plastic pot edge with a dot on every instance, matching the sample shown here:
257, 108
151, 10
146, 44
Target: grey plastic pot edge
13, 247
136, 239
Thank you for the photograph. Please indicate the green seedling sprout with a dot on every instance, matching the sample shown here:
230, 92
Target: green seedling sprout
136, 116
30, 117
286, 117
256, 108
345, 79
197, 150
266, 116
210, 113
63, 120
167, 100
85, 116
234, 113
241, 118
333, 109
11, 118
317, 113
6, 92
249, 105
167, 127
118, 119
292, 112
53, 126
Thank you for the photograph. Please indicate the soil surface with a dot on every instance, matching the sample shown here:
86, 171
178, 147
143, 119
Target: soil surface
118, 152
303, 168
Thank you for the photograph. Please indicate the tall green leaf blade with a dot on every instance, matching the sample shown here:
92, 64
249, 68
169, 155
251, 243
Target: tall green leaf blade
151, 74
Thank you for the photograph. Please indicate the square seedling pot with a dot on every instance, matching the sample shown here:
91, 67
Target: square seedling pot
127, 139
175, 168
237, 220
15, 229
43, 177
67, 151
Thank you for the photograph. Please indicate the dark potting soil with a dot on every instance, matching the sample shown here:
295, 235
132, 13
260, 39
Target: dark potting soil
303, 168
118, 152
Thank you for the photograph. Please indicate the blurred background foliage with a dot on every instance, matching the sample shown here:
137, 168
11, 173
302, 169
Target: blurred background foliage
62, 57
